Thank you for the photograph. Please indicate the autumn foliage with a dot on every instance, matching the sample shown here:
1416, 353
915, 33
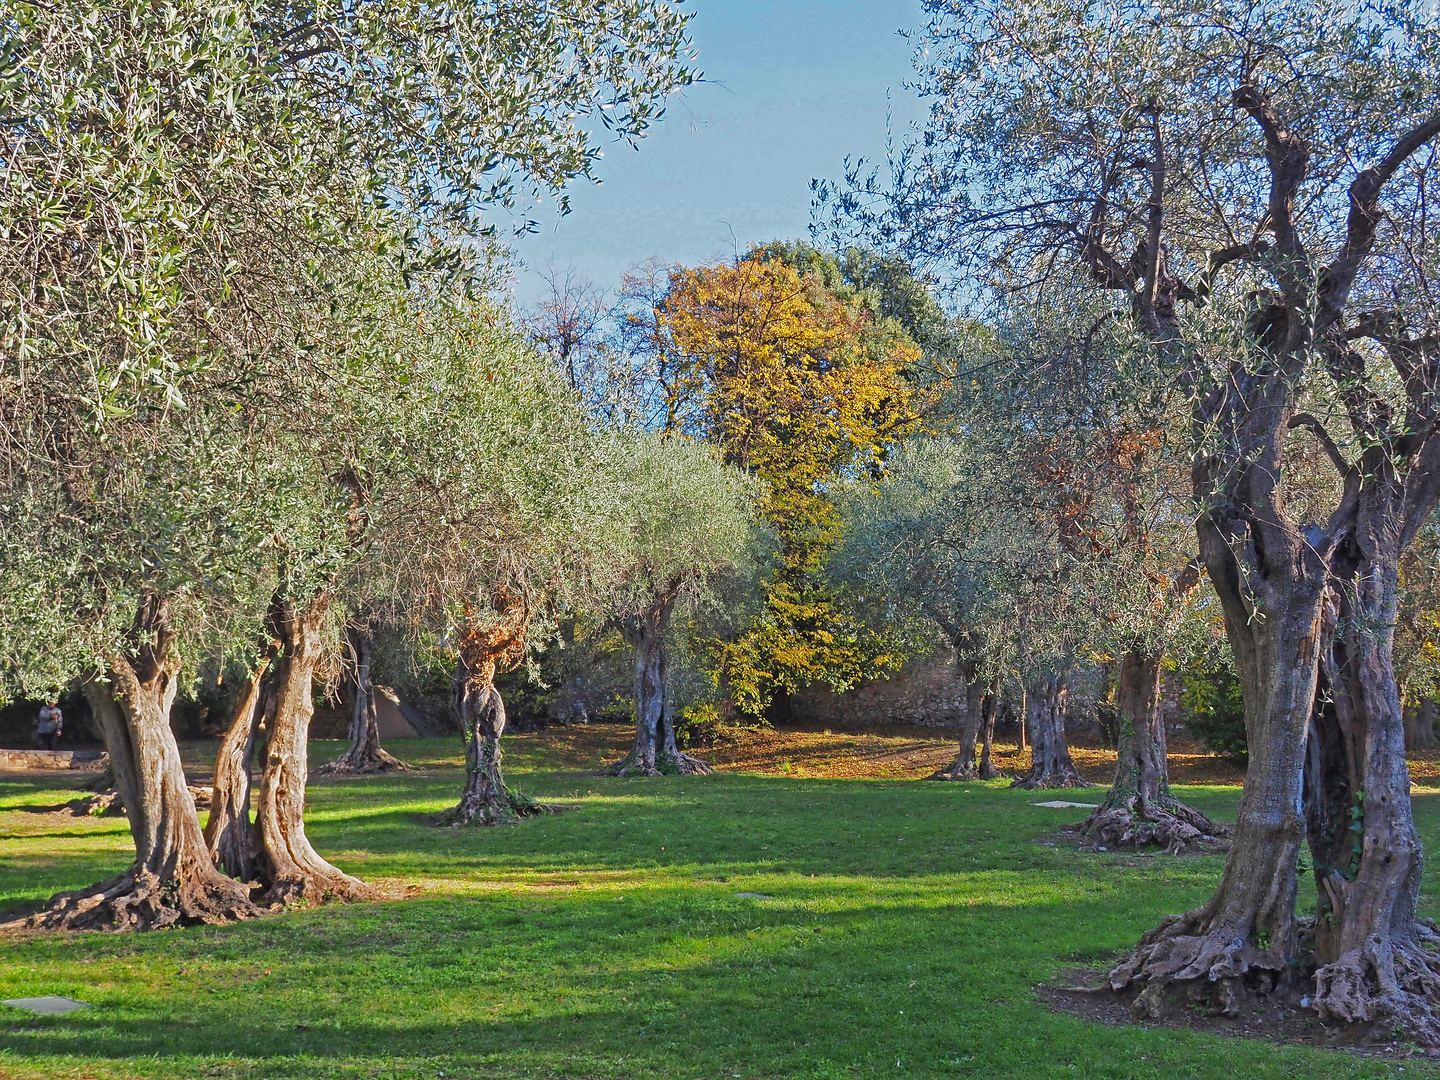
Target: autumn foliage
800, 388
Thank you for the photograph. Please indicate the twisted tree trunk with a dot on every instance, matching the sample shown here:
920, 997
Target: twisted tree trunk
485, 799
1376, 960
480, 711
656, 751
1244, 939
172, 880
364, 754
963, 767
289, 865
229, 833
1138, 810
1050, 766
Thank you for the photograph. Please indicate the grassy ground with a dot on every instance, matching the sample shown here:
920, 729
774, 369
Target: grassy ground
901, 929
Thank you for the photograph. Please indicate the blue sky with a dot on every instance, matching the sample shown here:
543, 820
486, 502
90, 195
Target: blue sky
792, 87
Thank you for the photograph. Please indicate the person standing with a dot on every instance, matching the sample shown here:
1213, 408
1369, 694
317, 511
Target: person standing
49, 725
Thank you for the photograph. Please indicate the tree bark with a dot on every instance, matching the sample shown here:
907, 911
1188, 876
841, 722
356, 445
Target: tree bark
172, 881
990, 708
656, 751
1244, 939
290, 867
364, 754
1139, 811
1046, 697
1420, 725
963, 767
229, 833
480, 711
1374, 958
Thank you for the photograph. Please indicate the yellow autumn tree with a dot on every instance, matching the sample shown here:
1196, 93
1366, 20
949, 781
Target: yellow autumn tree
800, 388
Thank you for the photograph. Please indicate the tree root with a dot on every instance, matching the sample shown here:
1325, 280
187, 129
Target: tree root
959, 769
1385, 991
1065, 779
313, 889
101, 804
138, 900
681, 764
510, 810
1186, 961
373, 765
107, 802
1170, 825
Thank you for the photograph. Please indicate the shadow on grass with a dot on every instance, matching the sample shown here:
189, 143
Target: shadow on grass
672, 979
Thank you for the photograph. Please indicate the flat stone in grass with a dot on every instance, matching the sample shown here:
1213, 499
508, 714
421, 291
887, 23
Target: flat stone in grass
1061, 804
51, 1005
754, 896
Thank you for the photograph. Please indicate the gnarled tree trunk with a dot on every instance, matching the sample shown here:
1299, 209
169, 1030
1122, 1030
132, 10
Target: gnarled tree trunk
1046, 697
1420, 725
481, 713
290, 867
229, 833
172, 880
364, 754
656, 751
1139, 810
1244, 939
1375, 961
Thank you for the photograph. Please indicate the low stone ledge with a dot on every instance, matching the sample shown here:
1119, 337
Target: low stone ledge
30, 760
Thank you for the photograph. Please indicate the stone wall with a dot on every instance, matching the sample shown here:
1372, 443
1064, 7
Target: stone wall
924, 691
26, 760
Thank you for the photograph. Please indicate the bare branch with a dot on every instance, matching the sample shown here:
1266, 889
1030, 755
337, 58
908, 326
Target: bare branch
1287, 155
1306, 420
1364, 217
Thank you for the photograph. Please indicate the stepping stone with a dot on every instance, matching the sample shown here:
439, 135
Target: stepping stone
754, 896
1061, 804
53, 1005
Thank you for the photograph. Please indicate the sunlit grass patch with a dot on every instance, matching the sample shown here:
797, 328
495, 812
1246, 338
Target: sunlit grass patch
889, 921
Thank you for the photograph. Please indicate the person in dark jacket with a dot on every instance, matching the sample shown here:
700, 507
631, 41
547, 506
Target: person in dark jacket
49, 725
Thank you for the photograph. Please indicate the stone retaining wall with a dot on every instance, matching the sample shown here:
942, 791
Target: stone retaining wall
27, 760
924, 691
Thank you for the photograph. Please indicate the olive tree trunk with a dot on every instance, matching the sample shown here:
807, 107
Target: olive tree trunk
1374, 956
480, 711
1244, 939
1420, 725
1046, 698
290, 867
229, 833
1139, 811
172, 880
990, 708
364, 754
972, 719
656, 751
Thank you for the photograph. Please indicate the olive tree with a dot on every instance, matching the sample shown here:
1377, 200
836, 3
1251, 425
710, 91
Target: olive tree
1247, 180
922, 547
488, 503
185, 189
683, 523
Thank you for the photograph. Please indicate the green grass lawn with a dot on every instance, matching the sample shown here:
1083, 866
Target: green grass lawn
904, 929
